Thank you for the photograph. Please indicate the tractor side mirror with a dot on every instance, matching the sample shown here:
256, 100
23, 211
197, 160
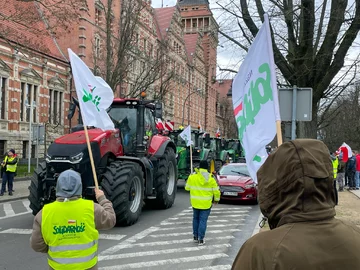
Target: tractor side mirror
71, 110
158, 110
207, 138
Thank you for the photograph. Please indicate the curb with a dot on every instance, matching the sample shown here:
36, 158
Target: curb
354, 193
13, 199
19, 179
257, 226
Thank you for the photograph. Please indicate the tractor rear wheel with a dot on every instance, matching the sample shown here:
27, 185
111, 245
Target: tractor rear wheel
218, 165
123, 185
35, 188
166, 179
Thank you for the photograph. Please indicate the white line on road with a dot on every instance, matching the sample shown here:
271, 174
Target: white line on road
190, 233
116, 237
130, 241
222, 212
210, 217
208, 226
26, 205
215, 267
257, 226
221, 208
190, 221
159, 252
8, 210
19, 214
148, 264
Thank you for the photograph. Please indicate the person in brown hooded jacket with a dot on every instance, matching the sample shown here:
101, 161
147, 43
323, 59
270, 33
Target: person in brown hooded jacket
296, 195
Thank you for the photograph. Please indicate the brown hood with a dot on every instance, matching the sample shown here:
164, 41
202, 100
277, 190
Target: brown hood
295, 183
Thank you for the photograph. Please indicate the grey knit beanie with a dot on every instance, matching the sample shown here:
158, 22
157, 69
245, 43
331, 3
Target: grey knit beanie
69, 184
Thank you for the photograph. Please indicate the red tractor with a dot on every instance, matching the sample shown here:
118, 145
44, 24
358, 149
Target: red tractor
133, 163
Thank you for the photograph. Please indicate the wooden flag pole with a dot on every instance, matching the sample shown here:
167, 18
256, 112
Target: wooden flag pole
191, 162
278, 132
91, 157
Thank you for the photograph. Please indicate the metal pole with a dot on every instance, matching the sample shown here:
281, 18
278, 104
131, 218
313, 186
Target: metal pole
293, 116
30, 123
37, 146
182, 122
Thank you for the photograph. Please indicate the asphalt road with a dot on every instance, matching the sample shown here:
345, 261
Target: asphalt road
161, 239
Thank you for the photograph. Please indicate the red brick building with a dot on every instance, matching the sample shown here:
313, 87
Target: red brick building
30, 73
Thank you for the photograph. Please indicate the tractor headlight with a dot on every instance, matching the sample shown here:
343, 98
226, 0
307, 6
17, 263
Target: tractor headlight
77, 158
47, 157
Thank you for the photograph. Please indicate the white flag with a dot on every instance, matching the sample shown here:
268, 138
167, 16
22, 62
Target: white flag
94, 95
186, 135
255, 100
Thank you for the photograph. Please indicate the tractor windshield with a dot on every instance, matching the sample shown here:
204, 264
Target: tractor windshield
233, 145
124, 119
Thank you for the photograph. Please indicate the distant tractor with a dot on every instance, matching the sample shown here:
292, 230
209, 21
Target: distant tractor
133, 163
198, 152
216, 145
233, 147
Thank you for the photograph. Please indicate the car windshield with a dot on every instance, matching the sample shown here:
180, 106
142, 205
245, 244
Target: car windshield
234, 170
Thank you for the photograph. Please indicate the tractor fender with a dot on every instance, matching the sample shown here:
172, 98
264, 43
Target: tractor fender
148, 169
204, 154
158, 146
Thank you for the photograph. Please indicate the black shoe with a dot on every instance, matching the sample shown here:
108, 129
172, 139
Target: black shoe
1, 194
196, 240
201, 242
10, 194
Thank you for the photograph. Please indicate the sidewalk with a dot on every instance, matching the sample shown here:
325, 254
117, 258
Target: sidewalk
356, 192
21, 191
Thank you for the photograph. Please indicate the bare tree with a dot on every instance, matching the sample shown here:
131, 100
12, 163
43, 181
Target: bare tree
127, 61
311, 40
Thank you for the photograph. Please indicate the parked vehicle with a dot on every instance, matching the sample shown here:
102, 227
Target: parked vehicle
236, 183
133, 162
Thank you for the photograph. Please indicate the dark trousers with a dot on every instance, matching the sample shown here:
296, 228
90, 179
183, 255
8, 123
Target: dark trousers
8, 177
351, 176
336, 193
346, 179
200, 217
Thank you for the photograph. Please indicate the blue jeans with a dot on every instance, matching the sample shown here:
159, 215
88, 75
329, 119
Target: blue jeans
200, 217
8, 177
357, 179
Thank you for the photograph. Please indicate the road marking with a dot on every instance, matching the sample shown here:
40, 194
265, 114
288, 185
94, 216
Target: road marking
159, 252
210, 217
222, 212
190, 233
19, 214
221, 208
190, 221
116, 237
208, 226
148, 264
257, 225
8, 210
130, 241
26, 204
215, 267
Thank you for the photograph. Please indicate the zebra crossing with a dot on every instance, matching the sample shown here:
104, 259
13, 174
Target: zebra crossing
169, 244
14, 208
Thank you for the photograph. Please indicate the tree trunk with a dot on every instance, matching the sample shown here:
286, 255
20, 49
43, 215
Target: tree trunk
309, 129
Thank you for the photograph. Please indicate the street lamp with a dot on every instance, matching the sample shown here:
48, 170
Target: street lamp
195, 91
31, 107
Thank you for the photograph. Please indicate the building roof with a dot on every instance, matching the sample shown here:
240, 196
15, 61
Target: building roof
190, 44
163, 17
192, 2
17, 30
222, 87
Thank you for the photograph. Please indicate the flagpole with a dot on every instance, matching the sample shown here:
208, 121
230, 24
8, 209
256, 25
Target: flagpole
191, 162
279, 133
91, 157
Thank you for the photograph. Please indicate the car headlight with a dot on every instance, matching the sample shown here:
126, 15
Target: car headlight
77, 158
47, 158
250, 186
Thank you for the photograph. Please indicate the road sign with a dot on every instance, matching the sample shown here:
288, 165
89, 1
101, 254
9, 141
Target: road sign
303, 104
38, 134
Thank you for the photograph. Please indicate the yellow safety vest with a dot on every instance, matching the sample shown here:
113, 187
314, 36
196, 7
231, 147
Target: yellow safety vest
68, 228
335, 167
201, 192
10, 167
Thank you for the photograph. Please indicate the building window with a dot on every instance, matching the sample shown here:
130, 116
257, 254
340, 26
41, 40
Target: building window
2, 149
28, 96
145, 45
97, 16
56, 106
24, 149
3, 82
97, 46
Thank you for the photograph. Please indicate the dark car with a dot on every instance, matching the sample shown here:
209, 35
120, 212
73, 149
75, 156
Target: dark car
236, 183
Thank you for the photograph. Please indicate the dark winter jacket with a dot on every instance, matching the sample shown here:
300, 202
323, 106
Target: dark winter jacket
351, 164
296, 194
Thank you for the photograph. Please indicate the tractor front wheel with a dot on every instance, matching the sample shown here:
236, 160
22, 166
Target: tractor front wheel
35, 188
123, 185
166, 179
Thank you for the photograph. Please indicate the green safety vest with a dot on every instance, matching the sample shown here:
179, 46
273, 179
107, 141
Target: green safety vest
68, 228
202, 193
335, 167
10, 167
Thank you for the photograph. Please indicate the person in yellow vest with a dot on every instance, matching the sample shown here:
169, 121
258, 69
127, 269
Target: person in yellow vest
8, 167
204, 191
335, 163
67, 229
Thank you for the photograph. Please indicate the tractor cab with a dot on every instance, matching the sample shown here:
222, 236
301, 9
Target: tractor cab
217, 146
233, 146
